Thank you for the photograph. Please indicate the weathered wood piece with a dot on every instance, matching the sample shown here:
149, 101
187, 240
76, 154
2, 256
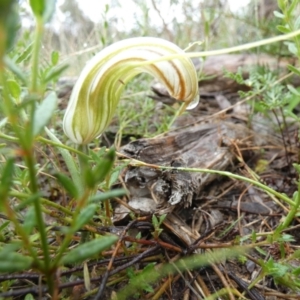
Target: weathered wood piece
206, 146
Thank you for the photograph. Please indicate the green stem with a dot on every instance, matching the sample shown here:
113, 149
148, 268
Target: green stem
291, 215
82, 165
247, 46
84, 190
38, 209
235, 176
29, 156
44, 201
59, 145
35, 53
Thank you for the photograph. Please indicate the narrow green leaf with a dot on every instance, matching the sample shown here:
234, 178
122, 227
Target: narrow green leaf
89, 177
297, 23
104, 166
107, 195
283, 29
15, 69
9, 23
44, 113
14, 262
25, 54
162, 218
29, 220
69, 160
14, 88
54, 58
89, 249
38, 7
292, 47
4, 225
27, 202
297, 168
49, 10
294, 70
291, 7
9, 248
6, 180
296, 254
55, 72
281, 4
43, 8
277, 14
155, 221
84, 217
115, 173
293, 90
68, 185
261, 251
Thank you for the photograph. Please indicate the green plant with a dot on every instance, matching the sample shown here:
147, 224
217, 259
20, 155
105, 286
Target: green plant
157, 222
28, 108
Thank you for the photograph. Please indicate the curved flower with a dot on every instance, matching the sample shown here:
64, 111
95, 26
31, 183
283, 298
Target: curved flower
98, 89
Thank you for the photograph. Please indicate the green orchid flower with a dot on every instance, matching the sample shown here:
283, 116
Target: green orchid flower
98, 89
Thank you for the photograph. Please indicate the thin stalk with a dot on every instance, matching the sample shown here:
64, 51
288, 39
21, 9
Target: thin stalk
247, 46
39, 216
29, 156
223, 173
35, 53
44, 201
82, 165
294, 210
282, 137
86, 192
177, 114
235, 176
8, 137
58, 144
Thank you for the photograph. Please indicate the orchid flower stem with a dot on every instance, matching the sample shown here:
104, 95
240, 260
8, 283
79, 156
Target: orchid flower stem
82, 167
234, 49
39, 214
235, 176
30, 161
83, 149
177, 114
256, 183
